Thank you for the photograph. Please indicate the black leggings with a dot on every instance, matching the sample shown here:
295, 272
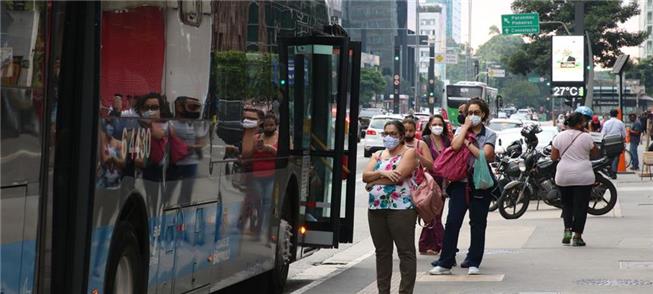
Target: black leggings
575, 200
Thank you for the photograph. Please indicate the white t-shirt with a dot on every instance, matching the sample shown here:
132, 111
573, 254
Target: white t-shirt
575, 167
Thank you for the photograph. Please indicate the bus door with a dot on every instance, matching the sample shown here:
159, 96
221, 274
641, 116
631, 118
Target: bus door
323, 114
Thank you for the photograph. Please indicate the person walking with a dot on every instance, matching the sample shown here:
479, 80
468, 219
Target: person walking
614, 127
390, 178
464, 196
635, 133
436, 138
574, 175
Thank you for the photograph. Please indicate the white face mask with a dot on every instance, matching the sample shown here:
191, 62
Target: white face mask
475, 119
250, 123
150, 113
437, 130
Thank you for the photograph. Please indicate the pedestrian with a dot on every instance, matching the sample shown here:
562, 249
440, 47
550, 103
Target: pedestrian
595, 124
411, 129
436, 138
614, 127
574, 175
635, 133
390, 178
463, 196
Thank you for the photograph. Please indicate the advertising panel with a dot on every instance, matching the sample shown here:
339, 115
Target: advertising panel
568, 59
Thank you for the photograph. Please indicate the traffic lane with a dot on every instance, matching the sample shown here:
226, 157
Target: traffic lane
526, 255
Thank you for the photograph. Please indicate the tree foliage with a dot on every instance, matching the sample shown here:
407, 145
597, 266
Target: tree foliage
602, 20
371, 84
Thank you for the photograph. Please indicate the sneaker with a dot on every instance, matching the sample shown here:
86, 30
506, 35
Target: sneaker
577, 242
438, 270
473, 271
567, 237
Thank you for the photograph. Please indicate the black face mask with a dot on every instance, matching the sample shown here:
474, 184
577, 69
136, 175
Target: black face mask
191, 115
461, 118
268, 132
409, 139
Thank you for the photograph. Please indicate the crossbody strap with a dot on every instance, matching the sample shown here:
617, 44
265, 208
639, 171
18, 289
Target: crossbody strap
572, 142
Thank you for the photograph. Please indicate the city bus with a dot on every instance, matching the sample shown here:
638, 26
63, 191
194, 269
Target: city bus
172, 146
460, 92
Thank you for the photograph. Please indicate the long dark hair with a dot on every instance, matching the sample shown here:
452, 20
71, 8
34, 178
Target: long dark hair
426, 131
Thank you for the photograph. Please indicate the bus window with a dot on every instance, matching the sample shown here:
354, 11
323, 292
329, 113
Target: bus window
26, 118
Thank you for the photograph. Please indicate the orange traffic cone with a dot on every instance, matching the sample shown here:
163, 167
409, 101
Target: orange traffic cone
621, 167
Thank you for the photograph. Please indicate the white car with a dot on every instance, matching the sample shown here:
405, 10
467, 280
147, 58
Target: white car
500, 124
373, 140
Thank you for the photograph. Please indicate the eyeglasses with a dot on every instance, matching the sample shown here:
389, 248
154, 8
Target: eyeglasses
477, 112
151, 107
193, 106
395, 135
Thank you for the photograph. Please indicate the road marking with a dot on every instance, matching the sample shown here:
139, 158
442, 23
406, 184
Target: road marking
634, 189
460, 278
633, 264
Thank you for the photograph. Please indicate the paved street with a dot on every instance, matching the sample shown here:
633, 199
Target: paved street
522, 256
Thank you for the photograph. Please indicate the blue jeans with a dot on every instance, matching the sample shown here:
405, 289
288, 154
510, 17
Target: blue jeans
615, 163
478, 206
263, 188
633, 154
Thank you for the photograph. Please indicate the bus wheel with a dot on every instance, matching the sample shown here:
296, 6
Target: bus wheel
285, 246
125, 269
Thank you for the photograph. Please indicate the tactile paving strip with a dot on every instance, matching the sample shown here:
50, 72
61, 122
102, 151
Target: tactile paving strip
613, 283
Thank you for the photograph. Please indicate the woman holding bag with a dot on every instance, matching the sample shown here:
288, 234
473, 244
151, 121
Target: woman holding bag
435, 138
464, 196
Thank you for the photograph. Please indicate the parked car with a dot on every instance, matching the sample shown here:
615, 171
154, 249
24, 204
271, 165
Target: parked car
364, 117
373, 140
499, 124
421, 120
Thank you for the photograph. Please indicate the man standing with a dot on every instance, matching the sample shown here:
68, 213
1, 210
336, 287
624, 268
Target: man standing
612, 127
635, 132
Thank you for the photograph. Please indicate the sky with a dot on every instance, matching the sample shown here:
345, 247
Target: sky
486, 13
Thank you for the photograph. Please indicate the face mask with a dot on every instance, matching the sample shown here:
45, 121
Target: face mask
191, 115
269, 132
437, 130
390, 142
461, 118
250, 123
409, 139
475, 120
150, 114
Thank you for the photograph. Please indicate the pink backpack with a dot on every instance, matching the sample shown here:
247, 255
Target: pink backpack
427, 196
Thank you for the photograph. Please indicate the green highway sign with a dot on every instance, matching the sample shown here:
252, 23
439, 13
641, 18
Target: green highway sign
525, 23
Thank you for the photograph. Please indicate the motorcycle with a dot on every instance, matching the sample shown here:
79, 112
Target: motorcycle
537, 182
506, 169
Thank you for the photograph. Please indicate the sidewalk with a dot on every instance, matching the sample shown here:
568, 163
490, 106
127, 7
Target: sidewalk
525, 255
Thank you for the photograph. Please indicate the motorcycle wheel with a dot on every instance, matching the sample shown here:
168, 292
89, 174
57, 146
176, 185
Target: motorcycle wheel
599, 205
509, 207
